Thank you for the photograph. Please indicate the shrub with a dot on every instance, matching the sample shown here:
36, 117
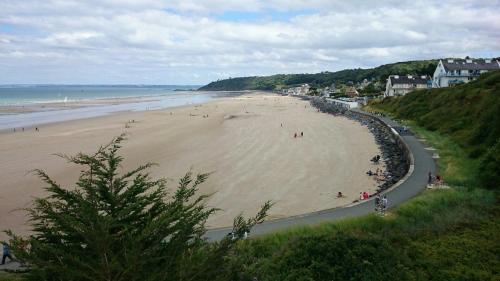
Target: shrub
122, 227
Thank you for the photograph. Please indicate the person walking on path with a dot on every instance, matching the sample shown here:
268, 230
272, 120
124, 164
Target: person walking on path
384, 204
377, 203
429, 180
6, 253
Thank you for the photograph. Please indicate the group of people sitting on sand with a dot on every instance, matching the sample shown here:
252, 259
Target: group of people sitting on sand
379, 175
364, 195
375, 159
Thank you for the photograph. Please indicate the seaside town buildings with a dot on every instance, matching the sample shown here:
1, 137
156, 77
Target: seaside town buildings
451, 72
298, 91
401, 85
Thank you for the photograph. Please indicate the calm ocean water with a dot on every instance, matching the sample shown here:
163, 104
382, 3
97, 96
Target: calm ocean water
34, 97
32, 94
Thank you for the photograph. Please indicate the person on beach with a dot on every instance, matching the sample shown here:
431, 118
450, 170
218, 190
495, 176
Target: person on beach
36, 129
361, 197
365, 195
295, 136
301, 134
6, 253
340, 195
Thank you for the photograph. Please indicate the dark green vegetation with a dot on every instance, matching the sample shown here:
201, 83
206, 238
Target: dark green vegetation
122, 226
469, 114
323, 79
441, 235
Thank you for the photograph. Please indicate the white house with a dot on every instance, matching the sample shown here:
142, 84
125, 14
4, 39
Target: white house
299, 91
401, 85
346, 103
452, 71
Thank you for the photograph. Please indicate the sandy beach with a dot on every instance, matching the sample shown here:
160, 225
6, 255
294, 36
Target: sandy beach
251, 156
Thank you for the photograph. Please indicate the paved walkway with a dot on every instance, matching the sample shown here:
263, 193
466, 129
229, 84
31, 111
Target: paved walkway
414, 184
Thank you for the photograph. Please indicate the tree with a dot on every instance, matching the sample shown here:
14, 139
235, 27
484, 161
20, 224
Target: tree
113, 226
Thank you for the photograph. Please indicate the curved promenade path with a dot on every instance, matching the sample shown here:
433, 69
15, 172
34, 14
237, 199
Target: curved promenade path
412, 184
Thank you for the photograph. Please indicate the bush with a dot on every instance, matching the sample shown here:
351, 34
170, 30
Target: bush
122, 227
489, 168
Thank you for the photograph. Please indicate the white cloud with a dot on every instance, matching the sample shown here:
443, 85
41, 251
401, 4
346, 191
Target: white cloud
117, 41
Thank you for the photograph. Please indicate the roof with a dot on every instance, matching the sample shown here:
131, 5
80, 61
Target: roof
470, 65
398, 79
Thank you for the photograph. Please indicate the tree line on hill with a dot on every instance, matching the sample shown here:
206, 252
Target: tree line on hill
323, 79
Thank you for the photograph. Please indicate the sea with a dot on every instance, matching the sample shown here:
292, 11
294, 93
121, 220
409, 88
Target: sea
32, 105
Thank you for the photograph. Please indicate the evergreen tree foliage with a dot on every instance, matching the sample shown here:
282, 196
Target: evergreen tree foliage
122, 226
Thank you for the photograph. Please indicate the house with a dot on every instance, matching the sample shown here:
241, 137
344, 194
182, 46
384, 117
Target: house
351, 92
326, 92
451, 72
346, 103
401, 85
299, 91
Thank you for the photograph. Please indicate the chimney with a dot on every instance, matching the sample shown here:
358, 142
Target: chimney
450, 61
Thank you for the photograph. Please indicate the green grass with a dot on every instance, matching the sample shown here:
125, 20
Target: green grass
6, 276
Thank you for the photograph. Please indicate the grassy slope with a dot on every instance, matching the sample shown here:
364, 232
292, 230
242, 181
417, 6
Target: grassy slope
440, 235
425, 67
468, 114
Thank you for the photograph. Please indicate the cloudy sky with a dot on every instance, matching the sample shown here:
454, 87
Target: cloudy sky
195, 42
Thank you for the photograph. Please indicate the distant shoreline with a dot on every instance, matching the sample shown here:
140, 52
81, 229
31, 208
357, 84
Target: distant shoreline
32, 115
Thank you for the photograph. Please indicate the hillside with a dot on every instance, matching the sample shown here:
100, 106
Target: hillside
323, 79
469, 114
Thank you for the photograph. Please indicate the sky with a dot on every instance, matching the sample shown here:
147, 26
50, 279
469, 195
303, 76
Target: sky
194, 42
